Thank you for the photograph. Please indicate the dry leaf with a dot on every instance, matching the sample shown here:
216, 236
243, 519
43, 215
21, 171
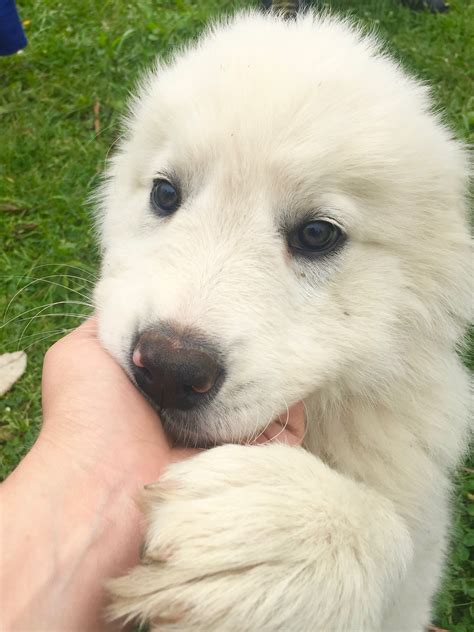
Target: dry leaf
11, 207
23, 228
12, 367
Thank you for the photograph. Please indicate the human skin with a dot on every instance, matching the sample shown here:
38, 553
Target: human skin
69, 516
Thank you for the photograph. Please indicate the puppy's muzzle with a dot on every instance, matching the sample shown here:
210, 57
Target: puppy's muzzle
176, 370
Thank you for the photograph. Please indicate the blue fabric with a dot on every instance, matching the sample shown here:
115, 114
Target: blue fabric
12, 36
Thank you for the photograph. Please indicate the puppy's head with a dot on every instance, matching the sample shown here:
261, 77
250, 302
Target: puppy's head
284, 217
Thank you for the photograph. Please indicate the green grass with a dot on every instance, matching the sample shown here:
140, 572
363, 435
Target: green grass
84, 52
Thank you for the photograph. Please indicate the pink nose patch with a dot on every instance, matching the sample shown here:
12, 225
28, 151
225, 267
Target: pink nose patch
137, 358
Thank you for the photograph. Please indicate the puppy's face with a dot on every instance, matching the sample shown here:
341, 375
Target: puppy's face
284, 218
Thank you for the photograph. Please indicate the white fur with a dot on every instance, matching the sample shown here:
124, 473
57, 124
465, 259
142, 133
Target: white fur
263, 121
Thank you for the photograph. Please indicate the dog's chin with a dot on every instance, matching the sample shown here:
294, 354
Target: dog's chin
189, 430
192, 429
198, 429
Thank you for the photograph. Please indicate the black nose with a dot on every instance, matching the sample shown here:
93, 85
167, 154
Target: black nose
176, 369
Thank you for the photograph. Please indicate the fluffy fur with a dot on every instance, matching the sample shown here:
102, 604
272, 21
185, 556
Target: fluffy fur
265, 122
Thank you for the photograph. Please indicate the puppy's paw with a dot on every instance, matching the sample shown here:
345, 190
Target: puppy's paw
241, 538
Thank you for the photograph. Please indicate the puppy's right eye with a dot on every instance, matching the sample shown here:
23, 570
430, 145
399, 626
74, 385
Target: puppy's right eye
164, 197
316, 238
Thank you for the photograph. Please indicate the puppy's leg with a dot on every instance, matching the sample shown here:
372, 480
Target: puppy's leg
264, 538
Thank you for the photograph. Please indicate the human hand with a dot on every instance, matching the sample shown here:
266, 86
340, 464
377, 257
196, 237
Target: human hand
70, 517
73, 498
93, 412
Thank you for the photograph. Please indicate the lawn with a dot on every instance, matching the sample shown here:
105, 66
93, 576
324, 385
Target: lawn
60, 106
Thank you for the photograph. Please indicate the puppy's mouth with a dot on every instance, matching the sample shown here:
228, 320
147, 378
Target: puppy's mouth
196, 431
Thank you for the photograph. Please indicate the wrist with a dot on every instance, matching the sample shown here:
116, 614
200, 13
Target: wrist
68, 529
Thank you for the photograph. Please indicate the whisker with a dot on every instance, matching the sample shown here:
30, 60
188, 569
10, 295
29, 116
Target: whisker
40, 307
258, 434
117, 140
254, 434
283, 427
64, 314
66, 265
33, 318
37, 334
61, 275
49, 335
44, 280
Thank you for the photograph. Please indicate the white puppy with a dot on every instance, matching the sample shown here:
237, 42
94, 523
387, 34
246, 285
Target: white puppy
284, 221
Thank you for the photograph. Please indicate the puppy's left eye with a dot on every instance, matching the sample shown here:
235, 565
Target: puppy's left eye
164, 197
316, 238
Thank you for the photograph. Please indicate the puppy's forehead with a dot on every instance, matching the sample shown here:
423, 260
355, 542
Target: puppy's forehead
298, 107
270, 70
271, 89
310, 94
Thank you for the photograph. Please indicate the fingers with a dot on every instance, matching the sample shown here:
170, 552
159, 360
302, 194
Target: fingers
288, 428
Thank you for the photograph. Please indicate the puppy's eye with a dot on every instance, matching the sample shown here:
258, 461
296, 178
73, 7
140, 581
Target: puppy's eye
164, 197
316, 238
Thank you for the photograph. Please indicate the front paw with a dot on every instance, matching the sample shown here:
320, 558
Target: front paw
258, 538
